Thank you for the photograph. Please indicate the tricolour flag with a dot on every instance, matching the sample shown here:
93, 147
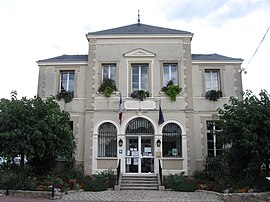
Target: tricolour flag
120, 109
160, 115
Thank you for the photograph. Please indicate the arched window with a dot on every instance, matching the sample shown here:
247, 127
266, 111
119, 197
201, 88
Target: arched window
107, 140
140, 126
172, 141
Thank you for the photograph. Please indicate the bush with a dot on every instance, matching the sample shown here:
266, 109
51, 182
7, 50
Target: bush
179, 182
108, 177
11, 179
91, 183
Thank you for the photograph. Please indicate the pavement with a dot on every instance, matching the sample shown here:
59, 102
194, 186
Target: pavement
125, 196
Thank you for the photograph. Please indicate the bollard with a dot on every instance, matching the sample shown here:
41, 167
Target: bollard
53, 191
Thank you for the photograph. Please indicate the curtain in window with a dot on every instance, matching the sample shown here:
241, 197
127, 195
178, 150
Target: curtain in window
140, 77
170, 73
67, 81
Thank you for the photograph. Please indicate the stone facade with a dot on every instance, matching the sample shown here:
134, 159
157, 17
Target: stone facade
152, 47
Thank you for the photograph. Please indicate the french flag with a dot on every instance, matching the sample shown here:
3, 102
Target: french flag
120, 109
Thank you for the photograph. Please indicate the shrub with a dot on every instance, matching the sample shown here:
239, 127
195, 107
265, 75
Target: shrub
108, 177
179, 182
91, 183
17, 180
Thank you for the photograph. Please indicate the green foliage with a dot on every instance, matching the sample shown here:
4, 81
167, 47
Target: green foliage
140, 94
91, 183
37, 129
172, 90
108, 177
107, 87
100, 182
66, 95
246, 129
214, 177
17, 179
179, 182
213, 95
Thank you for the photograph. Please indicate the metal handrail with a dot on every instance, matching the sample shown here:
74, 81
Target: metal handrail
160, 173
118, 172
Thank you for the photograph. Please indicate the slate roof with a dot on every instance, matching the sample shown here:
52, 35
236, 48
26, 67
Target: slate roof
194, 57
139, 28
214, 56
66, 58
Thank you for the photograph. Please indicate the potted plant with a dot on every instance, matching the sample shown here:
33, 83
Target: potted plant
140, 94
172, 90
213, 95
107, 87
66, 95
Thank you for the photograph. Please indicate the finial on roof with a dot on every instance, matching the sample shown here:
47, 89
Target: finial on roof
139, 20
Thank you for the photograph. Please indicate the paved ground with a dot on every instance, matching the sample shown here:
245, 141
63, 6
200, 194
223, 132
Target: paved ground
122, 196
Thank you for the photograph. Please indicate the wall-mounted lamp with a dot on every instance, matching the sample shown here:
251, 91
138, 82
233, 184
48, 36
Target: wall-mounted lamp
158, 143
120, 143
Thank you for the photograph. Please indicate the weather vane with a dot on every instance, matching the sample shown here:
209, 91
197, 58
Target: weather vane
139, 20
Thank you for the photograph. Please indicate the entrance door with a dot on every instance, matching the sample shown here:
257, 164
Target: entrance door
139, 154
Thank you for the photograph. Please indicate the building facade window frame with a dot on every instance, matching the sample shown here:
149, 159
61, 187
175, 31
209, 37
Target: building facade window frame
139, 76
172, 141
212, 79
107, 140
108, 71
67, 80
214, 145
170, 72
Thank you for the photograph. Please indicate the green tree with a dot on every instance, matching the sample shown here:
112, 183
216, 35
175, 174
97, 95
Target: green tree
37, 129
246, 135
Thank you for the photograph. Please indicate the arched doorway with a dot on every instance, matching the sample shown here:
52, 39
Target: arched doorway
139, 156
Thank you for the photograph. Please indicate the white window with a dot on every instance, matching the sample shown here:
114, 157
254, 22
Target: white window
212, 80
139, 77
108, 71
214, 145
67, 81
170, 73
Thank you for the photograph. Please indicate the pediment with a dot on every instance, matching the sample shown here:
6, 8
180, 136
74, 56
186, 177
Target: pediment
139, 53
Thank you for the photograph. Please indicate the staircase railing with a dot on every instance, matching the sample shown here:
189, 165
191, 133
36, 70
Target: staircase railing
118, 172
160, 173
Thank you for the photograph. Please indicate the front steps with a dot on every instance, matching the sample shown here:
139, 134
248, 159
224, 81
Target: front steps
139, 183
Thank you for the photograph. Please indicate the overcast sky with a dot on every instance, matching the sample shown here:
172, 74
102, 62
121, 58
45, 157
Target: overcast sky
32, 30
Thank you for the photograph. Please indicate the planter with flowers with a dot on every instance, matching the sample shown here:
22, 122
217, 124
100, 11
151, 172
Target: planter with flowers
107, 87
65, 95
140, 94
172, 90
213, 95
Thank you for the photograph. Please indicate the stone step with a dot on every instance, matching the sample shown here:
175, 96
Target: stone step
140, 188
139, 183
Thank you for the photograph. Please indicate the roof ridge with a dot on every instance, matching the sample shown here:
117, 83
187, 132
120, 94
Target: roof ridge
139, 28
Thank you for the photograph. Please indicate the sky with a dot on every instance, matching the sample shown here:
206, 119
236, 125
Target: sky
32, 30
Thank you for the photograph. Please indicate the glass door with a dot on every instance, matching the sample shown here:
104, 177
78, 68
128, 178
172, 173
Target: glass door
132, 155
139, 154
147, 155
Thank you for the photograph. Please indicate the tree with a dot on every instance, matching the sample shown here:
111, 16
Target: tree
246, 133
37, 129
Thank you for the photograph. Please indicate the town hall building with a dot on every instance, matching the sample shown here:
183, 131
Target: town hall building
134, 124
